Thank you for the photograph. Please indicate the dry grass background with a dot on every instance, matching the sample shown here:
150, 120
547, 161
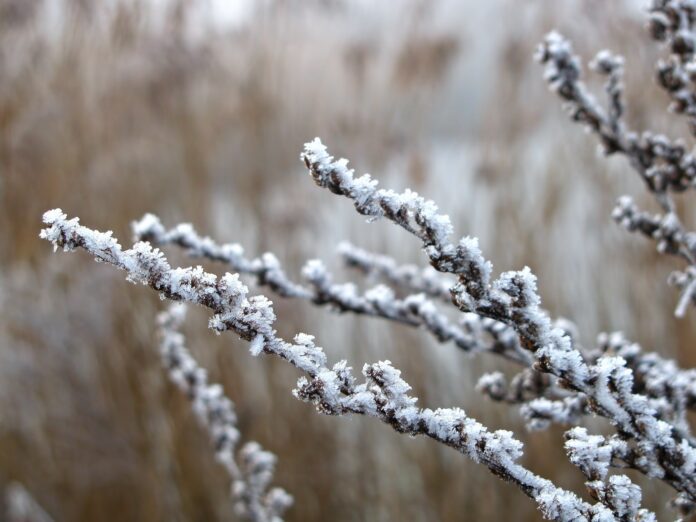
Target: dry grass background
112, 109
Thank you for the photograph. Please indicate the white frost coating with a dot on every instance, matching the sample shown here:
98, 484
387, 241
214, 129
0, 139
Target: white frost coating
256, 345
625, 497
605, 61
622, 497
149, 224
542, 412
470, 252
406, 208
314, 270
383, 395
591, 453
251, 469
492, 383
672, 389
542, 402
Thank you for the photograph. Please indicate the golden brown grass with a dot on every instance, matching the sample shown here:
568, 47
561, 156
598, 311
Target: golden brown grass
119, 110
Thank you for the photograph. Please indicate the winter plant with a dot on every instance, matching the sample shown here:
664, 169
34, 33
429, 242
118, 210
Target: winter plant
645, 397
251, 470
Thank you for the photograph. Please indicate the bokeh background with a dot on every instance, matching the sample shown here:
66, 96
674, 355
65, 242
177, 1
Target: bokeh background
197, 111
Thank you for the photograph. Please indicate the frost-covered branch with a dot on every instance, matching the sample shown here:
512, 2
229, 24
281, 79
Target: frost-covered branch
593, 455
513, 299
672, 22
665, 229
380, 301
541, 401
251, 468
664, 166
670, 390
409, 278
334, 390
671, 238
544, 405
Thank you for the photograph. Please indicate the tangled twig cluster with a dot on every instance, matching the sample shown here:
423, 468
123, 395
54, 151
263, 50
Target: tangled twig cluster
333, 389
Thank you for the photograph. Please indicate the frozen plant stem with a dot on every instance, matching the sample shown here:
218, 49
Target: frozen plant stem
251, 468
333, 390
665, 166
411, 278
